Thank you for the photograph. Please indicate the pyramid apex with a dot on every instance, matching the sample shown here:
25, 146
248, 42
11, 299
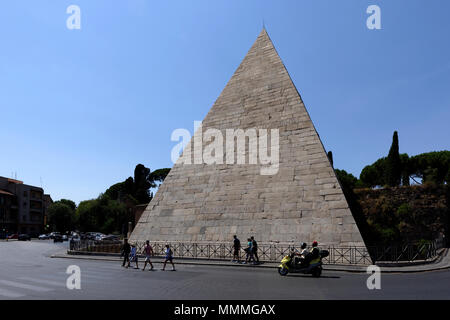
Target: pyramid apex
263, 30
264, 35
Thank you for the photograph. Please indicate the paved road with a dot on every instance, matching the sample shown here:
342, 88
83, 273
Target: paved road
28, 272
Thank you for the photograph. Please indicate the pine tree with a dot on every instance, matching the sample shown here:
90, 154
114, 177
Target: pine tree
393, 164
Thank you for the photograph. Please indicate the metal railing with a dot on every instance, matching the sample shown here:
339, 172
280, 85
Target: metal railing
224, 251
411, 252
275, 252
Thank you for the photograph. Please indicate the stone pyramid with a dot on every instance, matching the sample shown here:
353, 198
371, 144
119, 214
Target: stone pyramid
302, 202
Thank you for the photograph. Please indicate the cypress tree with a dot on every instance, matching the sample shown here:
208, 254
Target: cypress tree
330, 157
393, 164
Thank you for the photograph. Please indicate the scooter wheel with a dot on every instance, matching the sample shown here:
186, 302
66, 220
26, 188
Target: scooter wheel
283, 271
317, 272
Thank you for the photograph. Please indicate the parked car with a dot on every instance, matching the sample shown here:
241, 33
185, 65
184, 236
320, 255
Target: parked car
57, 238
64, 237
99, 236
54, 234
13, 236
75, 238
111, 237
91, 235
23, 237
44, 237
33, 234
73, 234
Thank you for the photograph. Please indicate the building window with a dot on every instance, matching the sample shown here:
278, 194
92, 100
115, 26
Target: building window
25, 194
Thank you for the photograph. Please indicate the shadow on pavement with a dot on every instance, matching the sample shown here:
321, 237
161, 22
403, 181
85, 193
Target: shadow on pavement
310, 276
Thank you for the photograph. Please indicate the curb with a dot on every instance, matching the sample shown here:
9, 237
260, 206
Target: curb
178, 261
271, 266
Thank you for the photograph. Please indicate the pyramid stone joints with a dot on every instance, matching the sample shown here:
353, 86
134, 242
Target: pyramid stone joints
302, 202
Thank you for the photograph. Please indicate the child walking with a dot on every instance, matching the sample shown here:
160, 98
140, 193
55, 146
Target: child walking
133, 256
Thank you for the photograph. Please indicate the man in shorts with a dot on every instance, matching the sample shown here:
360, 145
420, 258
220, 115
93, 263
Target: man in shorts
168, 257
236, 249
148, 252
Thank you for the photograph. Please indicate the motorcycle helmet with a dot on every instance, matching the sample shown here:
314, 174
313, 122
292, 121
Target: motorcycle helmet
304, 245
315, 244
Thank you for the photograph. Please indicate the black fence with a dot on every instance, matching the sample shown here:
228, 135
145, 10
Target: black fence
275, 252
411, 252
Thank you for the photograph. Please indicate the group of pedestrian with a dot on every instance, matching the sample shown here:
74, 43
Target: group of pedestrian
129, 253
251, 251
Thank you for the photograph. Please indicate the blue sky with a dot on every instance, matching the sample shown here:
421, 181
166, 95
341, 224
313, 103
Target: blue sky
80, 108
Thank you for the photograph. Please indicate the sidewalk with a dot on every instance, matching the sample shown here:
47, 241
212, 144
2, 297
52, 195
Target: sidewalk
441, 263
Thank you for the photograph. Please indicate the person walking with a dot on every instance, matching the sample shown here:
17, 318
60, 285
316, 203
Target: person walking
236, 249
255, 250
249, 252
133, 256
148, 251
126, 248
168, 257
71, 243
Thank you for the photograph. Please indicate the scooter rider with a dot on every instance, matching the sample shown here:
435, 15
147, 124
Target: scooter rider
303, 250
315, 253
303, 253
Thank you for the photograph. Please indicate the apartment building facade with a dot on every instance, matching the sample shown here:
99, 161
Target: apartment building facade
22, 207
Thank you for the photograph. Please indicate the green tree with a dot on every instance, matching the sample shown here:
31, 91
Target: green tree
69, 203
142, 184
347, 180
61, 216
137, 190
159, 175
393, 164
406, 169
111, 211
119, 190
373, 175
432, 167
86, 215
348, 183
102, 214
330, 157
